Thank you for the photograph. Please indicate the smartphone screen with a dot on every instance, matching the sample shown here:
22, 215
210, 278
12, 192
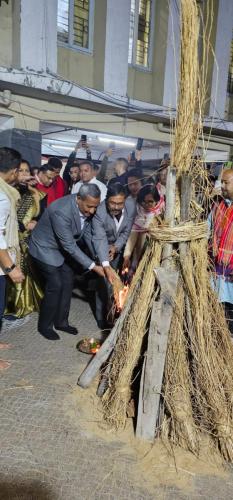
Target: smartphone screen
139, 144
83, 139
133, 156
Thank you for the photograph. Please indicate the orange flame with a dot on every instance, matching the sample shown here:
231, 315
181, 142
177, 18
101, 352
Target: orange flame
94, 346
95, 350
122, 297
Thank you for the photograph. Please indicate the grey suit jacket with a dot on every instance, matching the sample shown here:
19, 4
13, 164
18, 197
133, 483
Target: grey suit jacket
104, 232
57, 233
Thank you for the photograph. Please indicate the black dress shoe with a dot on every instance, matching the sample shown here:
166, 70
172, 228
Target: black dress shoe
68, 329
49, 334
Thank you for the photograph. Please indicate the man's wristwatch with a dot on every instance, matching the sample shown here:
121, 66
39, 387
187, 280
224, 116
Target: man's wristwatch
8, 270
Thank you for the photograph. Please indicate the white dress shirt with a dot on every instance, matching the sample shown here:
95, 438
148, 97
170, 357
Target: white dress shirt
101, 186
119, 222
82, 222
82, 219
4, 214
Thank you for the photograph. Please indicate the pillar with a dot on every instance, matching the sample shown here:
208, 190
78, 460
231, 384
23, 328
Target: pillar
117, 46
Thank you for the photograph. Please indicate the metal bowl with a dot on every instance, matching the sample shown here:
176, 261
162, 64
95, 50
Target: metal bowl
89, 345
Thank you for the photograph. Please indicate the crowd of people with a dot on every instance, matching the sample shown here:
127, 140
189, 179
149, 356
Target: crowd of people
58, 223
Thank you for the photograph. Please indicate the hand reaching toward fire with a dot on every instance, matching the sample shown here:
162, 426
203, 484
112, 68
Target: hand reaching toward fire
112, 252
126, 264
99, 270
109, 274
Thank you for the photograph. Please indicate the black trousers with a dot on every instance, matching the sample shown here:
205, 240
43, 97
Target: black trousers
229, 315
2, 297
58, 286
104, 293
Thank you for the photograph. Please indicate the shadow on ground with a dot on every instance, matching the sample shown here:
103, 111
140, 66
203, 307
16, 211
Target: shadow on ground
18, 489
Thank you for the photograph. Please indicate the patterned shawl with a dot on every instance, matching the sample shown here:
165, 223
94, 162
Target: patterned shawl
144, 218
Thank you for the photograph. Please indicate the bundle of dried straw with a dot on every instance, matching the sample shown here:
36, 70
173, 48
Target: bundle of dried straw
181, 232
128, 347
198, 378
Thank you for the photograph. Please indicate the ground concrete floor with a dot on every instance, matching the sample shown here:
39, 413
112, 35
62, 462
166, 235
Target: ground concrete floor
54, 445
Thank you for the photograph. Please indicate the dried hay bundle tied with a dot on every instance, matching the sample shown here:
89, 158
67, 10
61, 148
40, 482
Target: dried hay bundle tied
178, 424
128, 346
198, 377
182, 232
188, 121
199, 336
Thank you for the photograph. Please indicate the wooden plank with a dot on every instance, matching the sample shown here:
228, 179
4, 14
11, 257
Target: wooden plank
139, 426
152, 376
185, 198
107, 347
186, 191
104, 380
169, 213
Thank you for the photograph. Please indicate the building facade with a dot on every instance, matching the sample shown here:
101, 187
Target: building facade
107, 65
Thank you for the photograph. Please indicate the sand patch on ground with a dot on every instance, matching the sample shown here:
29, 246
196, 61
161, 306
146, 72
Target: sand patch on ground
151, 465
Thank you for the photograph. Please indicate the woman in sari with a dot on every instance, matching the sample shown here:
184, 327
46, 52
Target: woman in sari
24, 298
150, 206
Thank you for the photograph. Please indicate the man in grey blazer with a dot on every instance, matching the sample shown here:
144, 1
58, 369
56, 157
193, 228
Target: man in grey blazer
55, 247
110, 229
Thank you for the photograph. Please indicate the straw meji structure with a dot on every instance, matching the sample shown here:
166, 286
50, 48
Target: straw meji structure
172, 328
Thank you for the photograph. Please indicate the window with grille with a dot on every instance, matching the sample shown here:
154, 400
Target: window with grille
74, 23
230, 74
140, 33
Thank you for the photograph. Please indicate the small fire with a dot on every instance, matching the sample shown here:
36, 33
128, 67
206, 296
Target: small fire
94, 350
122, 297
94, 346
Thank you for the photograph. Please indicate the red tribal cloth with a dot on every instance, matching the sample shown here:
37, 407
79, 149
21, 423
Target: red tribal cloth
57, 190
223, 234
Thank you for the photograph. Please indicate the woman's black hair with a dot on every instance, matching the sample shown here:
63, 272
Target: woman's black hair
115, 189
145, 190
28, 164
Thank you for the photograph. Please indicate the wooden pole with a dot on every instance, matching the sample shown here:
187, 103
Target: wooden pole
185, 198
153, 367
169, 214
154, 361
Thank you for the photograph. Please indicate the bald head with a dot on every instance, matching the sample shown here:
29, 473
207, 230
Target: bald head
227, 183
